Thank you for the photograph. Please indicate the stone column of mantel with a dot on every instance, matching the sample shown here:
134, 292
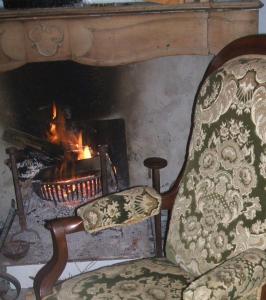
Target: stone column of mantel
108, 36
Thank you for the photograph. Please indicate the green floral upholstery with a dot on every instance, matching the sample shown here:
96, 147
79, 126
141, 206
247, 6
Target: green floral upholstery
128, 207
217, 231
146, 279
220, 209
238, 278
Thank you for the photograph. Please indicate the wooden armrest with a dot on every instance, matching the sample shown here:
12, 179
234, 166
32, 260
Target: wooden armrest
168, 198
49, 274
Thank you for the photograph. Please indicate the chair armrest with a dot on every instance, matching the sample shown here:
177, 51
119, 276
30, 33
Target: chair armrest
127, 207
49, 274
120, 209
237, 278
168, 197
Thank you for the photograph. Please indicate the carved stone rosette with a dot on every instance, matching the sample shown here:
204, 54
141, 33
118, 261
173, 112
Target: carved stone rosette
46, 38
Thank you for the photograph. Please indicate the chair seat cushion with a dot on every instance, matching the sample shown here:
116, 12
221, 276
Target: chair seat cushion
143, 279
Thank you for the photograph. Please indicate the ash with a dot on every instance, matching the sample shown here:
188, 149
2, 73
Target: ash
38, 210
29, 168
31, 163
135, 241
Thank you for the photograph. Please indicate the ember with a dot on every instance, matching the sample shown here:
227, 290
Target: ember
66, 170
71, 190
79, 176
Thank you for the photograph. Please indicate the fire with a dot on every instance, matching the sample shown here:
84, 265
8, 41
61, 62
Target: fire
54, 111
70, 140
83, 152
52, 134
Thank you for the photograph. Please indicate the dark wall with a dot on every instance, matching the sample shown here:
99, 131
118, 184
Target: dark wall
87, 92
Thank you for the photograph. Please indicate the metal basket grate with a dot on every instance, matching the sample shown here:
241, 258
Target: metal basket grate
70, 192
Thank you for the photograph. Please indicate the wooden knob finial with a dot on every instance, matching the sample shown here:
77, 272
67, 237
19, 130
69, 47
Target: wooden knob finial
155, 163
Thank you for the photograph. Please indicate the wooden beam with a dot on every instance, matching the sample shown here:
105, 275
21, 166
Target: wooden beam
224, 28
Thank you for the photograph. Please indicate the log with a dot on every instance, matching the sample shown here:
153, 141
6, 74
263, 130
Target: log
23, 140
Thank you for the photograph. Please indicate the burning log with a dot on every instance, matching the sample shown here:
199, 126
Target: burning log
23, 140
72, 141
79, 173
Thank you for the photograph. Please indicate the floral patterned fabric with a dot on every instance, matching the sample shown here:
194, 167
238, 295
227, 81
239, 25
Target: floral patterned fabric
220, 209
128, 207
238, 278
146, 279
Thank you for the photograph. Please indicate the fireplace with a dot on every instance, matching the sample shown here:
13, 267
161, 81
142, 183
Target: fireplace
87, 107
84, 144
146, 93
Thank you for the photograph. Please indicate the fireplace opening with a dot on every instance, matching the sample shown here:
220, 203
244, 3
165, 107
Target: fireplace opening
76, 179
85, 144
70, 133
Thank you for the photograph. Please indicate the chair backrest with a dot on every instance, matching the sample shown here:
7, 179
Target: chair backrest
220, 208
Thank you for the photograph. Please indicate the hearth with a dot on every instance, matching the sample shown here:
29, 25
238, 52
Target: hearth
84, 141
53, 175
74, 175
85, 170
73, 190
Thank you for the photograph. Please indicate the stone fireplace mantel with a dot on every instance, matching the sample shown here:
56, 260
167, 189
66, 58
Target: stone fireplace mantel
115, 35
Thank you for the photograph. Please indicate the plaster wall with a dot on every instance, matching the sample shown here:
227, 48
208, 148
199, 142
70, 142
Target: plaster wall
6, 183
156, 102
262, 18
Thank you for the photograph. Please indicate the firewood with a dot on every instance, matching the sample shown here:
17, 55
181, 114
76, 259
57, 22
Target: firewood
22, 140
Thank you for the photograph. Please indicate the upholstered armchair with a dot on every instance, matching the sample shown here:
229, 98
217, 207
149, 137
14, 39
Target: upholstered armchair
216, 242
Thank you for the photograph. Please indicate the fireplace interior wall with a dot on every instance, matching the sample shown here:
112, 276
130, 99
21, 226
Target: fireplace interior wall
154, 98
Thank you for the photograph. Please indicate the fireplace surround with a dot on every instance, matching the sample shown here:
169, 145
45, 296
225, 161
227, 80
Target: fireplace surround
104, 36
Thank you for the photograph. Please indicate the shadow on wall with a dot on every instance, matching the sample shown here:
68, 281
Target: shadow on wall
262, 18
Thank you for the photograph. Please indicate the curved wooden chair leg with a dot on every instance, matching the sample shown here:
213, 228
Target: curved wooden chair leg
47, 277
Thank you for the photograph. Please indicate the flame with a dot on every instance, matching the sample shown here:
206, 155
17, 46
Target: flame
87, 152
54, 111
84, 152
52, 134
70, 140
